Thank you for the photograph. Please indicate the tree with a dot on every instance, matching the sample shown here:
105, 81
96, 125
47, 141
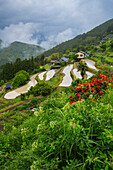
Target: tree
103, 46
82, 67
20, 78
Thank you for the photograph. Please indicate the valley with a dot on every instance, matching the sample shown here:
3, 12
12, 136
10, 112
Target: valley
66, 82
58, 112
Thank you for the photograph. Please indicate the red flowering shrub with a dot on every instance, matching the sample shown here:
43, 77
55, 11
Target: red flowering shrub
95, 87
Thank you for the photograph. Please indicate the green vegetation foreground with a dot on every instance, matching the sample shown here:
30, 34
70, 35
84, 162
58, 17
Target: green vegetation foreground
59, 135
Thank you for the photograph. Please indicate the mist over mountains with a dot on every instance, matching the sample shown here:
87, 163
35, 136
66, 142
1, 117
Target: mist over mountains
23, 50
18, 50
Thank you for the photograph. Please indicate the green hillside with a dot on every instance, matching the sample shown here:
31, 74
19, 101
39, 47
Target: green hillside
61, 128
69, 129
19, 50
92, 37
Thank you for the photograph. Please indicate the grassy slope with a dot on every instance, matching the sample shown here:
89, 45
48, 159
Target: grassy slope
77, 136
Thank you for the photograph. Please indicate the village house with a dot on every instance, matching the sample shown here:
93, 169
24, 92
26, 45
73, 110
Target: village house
53, 62
64, 59
8, 86
81, 55
58, 61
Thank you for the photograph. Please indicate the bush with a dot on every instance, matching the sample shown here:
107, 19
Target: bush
22, 96
77, 81
20, 78
2, 82
41, 89
38, 70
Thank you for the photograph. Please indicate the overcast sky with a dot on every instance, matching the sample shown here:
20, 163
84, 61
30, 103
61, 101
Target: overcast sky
50, 22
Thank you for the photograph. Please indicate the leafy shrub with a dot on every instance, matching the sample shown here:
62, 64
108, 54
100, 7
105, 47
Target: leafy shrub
20, 78
95, 88
22, 96
77, 81
55, 67
38, 70
41, 89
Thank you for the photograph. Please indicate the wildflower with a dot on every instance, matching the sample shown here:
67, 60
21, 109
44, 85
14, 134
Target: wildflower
78, 88
91, 84
101, 92
77, 94
70, 103
95, 82
98, 87
105, 76
85, 84
86, 93
82, 90
95, 91
99, 81
92, 89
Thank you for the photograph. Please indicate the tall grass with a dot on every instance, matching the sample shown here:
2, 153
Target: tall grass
62, 136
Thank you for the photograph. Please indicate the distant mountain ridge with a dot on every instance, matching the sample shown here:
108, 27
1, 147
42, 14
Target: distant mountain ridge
92, 37
19, 50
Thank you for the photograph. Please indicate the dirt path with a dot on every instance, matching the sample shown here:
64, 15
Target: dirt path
17, 92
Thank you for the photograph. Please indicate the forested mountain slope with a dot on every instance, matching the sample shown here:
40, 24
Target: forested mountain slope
92, 37
19, 50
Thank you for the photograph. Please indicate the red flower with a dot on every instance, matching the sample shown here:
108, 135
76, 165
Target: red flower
95, 91
99, 81
78, 94
98, 87
105, 76
101, 92
112, 86
79, 99
70, 102
95, 82
86, 93
91, 84
92, 88
78, 88
82, 90
85, 84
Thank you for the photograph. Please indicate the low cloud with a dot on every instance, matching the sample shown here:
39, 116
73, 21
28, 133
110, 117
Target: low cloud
30, 33
19, 32
54, 40
49, 22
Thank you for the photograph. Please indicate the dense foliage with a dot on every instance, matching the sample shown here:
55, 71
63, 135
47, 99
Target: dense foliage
41, 88
94, 88
58, 135
20, 78
10, 69
62, 132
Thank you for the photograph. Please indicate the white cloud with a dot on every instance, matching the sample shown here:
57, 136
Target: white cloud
25, 33
57, 39
20, 32
57, 21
